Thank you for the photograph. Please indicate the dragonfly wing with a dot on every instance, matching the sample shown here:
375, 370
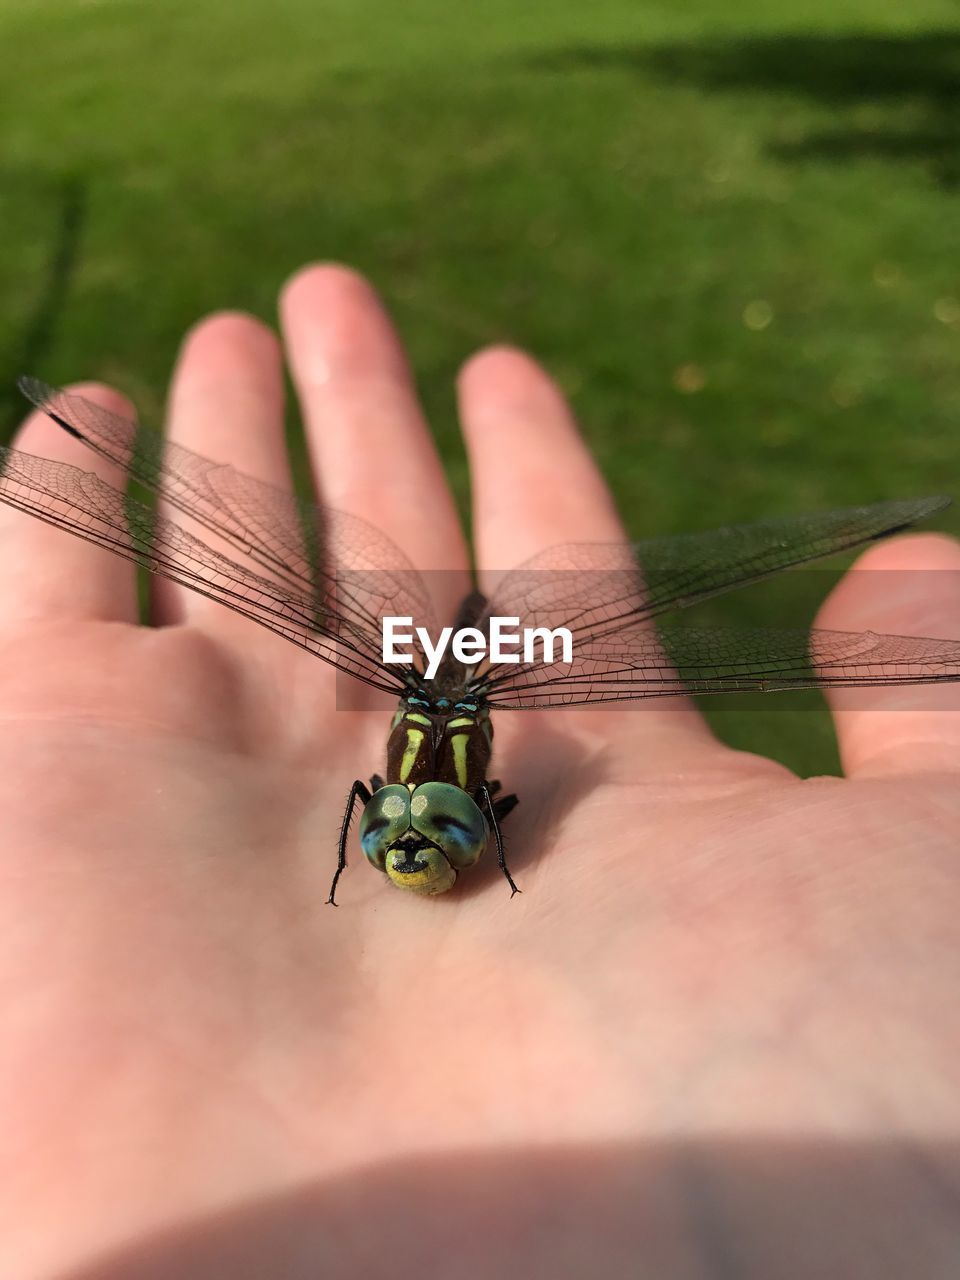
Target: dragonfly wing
83, 504
597, 589
652, 663
325, 580
304, 550
603, 592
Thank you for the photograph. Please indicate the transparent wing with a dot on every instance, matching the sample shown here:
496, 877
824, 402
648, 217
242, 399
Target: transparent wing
321, 578
596, 589
325, 580
606, 595
663, 663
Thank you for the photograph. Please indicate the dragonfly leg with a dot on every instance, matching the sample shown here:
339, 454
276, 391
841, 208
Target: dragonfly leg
486, 796
376, 782
357, 792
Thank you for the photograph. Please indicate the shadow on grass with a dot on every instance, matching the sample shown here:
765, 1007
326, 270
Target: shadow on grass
28, 353
722, 1208
911, 83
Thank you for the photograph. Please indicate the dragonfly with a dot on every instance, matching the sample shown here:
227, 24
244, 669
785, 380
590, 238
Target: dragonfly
325, 580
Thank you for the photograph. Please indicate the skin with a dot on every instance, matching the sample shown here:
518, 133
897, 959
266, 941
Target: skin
716, 1035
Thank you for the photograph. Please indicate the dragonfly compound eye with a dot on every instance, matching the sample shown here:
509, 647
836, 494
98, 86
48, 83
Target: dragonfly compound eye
448, 818
385, 818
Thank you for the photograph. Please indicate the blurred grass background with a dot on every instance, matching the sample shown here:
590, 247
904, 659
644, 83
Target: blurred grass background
730, 232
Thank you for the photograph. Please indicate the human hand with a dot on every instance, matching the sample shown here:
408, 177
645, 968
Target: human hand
716, 1030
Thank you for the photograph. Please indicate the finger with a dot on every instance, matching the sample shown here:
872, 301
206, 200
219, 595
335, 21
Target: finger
911, 587
536, 485
46, 573
372, 451
226, 403
533, 481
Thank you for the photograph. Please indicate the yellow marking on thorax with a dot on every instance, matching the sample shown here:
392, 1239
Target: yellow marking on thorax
410, 752
462, 722
458, 743
417, 717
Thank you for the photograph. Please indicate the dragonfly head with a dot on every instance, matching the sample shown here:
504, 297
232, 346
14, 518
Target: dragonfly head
422, 839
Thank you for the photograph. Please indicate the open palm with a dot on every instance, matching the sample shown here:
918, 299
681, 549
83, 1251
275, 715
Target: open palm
715, 1035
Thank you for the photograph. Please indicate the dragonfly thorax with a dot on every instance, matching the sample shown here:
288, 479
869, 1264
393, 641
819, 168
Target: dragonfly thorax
434, 738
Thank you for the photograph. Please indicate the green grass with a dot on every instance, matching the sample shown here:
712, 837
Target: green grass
611, 185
